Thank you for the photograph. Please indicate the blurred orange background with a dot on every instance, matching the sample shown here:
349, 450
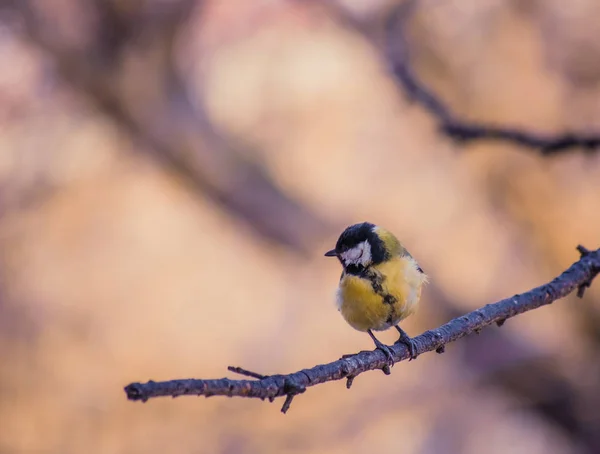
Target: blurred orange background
171, 173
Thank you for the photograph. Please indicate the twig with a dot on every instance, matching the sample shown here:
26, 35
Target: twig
247, 373
577, 276
397, 54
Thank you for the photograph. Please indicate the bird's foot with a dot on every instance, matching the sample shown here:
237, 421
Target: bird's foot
410, 344
384, 348
388, 353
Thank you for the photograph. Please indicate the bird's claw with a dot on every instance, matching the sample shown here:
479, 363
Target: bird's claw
385, 349
388, 353
410, 344
406, 340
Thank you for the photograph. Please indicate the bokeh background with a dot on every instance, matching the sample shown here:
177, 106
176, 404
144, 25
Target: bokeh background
172, 171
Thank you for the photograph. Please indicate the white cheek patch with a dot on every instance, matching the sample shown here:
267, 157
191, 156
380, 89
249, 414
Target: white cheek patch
366, 258
359, 254
352, 255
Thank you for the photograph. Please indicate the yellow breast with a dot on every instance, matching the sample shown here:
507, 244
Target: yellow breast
365, 309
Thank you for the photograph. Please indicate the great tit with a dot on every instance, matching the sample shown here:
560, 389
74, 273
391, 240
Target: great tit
380, 284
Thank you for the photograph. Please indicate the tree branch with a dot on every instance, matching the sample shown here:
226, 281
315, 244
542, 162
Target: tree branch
397, 54
127, 68
577, 277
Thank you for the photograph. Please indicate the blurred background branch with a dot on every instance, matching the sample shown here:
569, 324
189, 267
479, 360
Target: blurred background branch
124, 63
388, 33
398, 54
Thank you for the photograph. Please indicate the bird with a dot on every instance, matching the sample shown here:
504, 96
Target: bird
380, 284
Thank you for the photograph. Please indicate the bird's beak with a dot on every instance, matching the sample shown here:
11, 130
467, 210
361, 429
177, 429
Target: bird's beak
331, 253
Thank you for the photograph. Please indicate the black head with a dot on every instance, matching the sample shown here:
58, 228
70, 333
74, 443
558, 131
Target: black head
359, 246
